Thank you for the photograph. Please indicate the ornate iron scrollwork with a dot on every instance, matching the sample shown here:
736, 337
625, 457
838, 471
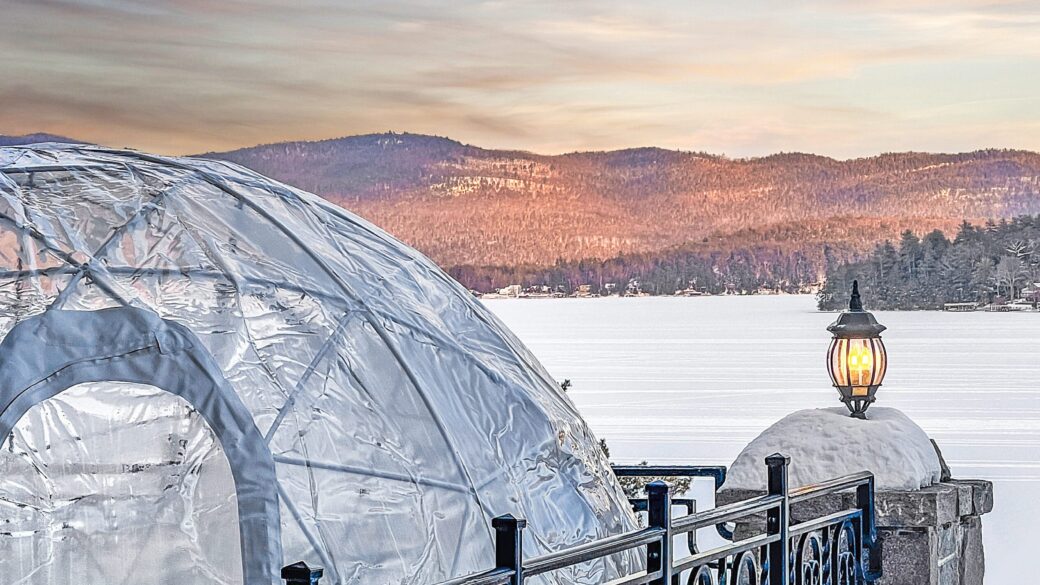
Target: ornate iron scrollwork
745, 570
702, 576
844, 555
810, 560
827, 550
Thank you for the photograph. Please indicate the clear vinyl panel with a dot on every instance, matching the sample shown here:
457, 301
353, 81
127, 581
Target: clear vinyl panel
401, 414
116, 483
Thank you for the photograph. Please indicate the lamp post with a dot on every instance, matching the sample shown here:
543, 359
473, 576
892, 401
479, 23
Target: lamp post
856, 359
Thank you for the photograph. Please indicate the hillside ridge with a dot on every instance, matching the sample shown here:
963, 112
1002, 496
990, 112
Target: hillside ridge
501, 214
469, 206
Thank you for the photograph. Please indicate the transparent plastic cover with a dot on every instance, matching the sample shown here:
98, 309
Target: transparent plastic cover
400, 414
117, 483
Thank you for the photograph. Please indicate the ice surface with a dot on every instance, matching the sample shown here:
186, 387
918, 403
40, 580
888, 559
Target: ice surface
826, 442
693, 380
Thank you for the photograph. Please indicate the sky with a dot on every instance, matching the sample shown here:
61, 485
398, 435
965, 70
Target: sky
842, 78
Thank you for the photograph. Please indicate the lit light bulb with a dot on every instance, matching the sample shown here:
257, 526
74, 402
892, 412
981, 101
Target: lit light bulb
859, 358
860, 367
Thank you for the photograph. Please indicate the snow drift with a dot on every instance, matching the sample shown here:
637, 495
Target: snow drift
825, 443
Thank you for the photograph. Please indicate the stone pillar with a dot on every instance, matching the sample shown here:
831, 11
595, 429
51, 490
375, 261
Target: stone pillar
932, 536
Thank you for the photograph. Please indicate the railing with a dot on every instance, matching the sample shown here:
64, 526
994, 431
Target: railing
836, 549
715, 472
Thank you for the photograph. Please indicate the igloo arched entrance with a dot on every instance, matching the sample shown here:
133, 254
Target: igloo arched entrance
114, 470
114, 352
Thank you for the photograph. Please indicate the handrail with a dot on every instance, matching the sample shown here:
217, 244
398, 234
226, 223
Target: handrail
717, 472
817, 523
727, 513
637, 579
592, 550
735, 548
769, 555
491, 577
830, 486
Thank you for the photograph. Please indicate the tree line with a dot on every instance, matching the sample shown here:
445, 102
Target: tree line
990, 263
744, 270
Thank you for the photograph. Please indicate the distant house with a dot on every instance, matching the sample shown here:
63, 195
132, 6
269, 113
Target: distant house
689, 292
1032, 292
512, 290
537, 292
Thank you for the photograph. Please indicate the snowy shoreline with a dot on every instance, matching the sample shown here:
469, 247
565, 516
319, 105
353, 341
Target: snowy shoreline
497, 297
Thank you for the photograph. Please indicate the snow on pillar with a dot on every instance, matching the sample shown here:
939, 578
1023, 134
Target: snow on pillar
930, 525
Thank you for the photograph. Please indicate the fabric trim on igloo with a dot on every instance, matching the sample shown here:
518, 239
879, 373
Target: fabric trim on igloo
49, 353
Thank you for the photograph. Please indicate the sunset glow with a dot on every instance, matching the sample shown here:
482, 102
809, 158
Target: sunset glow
742, 79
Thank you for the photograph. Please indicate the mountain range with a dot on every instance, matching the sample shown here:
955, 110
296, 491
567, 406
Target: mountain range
34, 138
467, 206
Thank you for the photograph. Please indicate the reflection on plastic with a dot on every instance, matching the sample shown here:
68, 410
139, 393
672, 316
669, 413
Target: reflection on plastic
117, 483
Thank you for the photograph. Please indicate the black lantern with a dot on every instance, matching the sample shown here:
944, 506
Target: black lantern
856, 359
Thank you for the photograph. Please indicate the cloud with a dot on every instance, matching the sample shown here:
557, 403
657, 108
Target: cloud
836, 76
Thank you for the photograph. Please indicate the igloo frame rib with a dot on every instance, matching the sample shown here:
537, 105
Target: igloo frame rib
476, 425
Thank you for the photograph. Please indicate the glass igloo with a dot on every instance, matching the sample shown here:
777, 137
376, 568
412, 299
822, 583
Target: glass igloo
206, 375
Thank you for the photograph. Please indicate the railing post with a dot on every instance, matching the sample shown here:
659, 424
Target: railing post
868, 530
301, 574
509, 545
659, 515
778, 520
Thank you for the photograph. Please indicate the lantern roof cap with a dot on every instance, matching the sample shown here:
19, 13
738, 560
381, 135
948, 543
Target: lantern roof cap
855, 322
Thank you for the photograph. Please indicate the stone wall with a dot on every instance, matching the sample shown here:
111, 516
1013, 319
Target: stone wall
932, 536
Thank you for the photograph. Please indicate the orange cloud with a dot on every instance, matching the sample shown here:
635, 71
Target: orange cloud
836, 77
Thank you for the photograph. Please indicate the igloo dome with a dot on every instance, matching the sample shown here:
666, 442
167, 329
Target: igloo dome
206, 375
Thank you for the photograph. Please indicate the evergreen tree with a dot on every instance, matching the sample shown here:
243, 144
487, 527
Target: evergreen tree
997, 261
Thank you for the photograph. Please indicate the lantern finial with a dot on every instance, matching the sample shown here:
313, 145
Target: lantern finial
855, 304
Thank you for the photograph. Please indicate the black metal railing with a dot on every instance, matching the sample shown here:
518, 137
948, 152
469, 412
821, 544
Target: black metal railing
715, 472
839, 548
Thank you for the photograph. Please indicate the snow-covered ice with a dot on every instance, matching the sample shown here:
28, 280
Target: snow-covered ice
826, 442
691, 381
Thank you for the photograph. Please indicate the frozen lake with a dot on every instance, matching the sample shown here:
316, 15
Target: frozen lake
692, 380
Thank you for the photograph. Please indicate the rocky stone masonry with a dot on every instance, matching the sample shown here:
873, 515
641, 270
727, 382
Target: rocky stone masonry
929, 537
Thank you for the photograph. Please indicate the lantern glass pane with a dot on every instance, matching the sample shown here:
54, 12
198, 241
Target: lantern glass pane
836, 363
857, 364
880, 360
860, 362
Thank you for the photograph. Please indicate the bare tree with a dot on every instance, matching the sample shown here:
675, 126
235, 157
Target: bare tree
1009, 272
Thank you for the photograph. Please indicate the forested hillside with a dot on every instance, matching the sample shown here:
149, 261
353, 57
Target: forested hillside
996, 261
466, 205
492, 216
